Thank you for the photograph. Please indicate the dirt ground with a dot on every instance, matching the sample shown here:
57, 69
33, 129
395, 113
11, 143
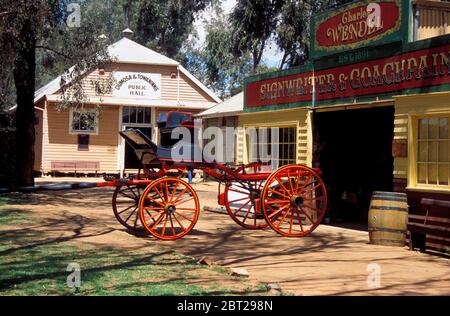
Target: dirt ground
331, 261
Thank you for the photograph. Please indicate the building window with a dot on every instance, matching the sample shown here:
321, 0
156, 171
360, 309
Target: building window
83, 142
433, 156
136, 115
83, 122
287, 146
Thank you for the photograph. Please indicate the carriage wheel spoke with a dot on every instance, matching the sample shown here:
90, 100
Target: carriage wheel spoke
171, 223
126, 209
283, 218
240, 208
180, 195
277, 201
304, 184
261, 184
244, 198
290, 182
313, 208
183, 201
185, 217
306, 214
313, 199
234, 190
179, 223
173, 192
278, 211
131, 214
152, 217
160, 195
247, 214
282, 185
292, 220
136, 219
156, 223
310, 190
299, 218
155, 201
132, 191
279, 193
126, 195
163, 232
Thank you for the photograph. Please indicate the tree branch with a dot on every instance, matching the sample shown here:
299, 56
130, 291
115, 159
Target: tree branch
5, 13
53, 51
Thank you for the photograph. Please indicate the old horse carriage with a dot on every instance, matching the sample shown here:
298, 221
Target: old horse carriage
291, 200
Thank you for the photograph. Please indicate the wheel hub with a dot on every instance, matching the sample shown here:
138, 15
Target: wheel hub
296, 200
170, 208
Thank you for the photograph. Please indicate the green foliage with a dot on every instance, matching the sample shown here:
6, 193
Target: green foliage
166, 25
253, 23
224, 71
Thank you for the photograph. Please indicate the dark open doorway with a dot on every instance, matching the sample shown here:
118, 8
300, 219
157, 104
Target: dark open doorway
131, 160
353, 148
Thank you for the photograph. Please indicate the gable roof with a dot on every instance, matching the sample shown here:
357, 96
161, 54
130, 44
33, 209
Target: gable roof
231, 106
128, 51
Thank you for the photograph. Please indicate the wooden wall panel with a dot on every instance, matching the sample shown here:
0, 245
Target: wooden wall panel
59, 145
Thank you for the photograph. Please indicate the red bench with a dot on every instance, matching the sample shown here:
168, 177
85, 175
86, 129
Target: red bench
75, 166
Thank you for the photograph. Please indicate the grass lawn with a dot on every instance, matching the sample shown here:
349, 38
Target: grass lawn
33, 263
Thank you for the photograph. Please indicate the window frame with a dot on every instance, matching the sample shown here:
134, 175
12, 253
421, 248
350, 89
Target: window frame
413, 181
280, 125
136, 109
77, 132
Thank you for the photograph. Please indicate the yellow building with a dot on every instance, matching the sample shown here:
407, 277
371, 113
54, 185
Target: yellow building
146, 84
371, 110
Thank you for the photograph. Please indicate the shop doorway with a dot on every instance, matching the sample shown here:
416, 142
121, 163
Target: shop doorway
353, 148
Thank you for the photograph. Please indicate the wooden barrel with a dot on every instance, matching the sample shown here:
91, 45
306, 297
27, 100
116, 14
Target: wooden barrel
388, 218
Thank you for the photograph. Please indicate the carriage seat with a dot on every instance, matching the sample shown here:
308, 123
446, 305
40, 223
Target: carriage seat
150, 153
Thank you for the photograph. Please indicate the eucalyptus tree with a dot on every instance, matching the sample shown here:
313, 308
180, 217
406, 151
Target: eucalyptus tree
31, 26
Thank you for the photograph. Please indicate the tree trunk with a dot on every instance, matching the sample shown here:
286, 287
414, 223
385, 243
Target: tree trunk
283, 60
24, 78
257, 55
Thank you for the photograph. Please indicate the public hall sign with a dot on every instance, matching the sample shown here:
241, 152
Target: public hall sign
360, 24
414, 69
137, 85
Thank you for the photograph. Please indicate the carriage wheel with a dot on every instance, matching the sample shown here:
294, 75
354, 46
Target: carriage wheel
242, 202
169, 208
294, 200
125, 204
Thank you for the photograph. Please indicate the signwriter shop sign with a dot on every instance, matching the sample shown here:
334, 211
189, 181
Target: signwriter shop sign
137, 85
410, 70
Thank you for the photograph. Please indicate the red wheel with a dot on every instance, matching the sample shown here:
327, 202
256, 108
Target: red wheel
169, 208
125, 204
243, 204
294, 200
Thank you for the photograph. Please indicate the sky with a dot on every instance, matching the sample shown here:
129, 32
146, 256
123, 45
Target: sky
271, 57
